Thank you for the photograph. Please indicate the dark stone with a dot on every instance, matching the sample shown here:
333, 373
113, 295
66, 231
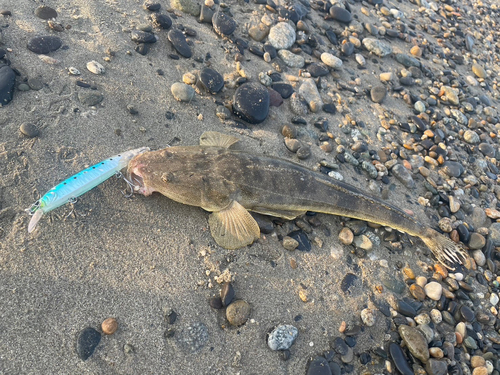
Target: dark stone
206, 14
271, 50
421, 125
340, 14
45, 12
301, 238
319, 366
332, 37
161, 20
406, 309
87, 341
178, 40
466, 314
347, 48
251, 102
284, 89
7, 83
29, 130
216, 303
227, 294
44, 44
453, 168
399, 359
153, 7
275, 99
318, 69
224, 25
212, 80
171, 317
142, 48
339, 346
329, 108
139, 36
378, 93
349, 281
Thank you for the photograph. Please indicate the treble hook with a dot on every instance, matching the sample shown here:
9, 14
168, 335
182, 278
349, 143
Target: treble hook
129, 185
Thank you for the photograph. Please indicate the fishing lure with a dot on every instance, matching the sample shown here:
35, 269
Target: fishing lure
80, 183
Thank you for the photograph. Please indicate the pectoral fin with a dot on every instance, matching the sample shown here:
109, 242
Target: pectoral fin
217, 139
287, 215
233, 227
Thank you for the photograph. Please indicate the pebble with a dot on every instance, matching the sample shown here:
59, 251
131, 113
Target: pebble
346, 236
251, 102
139, 36
90, 98
340, 14
331, 60
479, 71
318, 70
223, 24
109, 326
193, 337
178, 40
227, 294
29, 130
309, 92
417, 292
477, 241
7, 83
290, 243
161, 20
45, 12
495, 234
212, 80
291, 59
453, 168
95, 67
378, 93
399, 359
451, 95
282, 36
44, 44
433, 290
87, 341
182, 92
284, 89
238, 312
282, 337
436, 367
152, 6
319, 366
368, 317
415, 341
403, 175
377, 47
470, 136
407, 61
187, 6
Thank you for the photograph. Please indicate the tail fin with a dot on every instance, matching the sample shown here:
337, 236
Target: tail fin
444, 249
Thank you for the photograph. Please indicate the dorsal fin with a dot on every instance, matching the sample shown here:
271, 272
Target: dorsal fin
217, 139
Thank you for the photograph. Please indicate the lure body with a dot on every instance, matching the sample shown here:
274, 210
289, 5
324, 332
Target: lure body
79, 184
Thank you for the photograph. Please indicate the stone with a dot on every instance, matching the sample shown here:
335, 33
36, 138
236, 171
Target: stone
378, 93
406, 60
479, 71
377, 47
368, 317
109, 326
29, 130
282, 337
282, 36
291, 59
259, 32
346, 236
451, 95
495, 234
340, 14
470, 136
319, 366
453, 168
90, 98
212, 80
251, 102
227, 294
178, 40
182, 92
95, 67
139, 36
223, 24
193, 338
399, 359
238, 312
331, 60
7, 83
290, 243
415, 341
45, 12
477, 241
433, 290
87, 341
161, 20
436, 367
186, 6
44, 44
403, 175
309, 92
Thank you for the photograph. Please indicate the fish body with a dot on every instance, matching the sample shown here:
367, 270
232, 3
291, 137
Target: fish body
229, 183
79, 184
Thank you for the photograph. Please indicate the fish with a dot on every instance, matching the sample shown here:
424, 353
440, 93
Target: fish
229, 183
78, 184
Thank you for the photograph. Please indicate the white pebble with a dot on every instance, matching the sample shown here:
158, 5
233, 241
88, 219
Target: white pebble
433, 290
368, 317
96, 68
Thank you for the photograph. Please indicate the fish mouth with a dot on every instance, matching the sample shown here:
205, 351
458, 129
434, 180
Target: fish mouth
135, 176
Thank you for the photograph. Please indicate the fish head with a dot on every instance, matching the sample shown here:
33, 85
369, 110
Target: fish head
136, 172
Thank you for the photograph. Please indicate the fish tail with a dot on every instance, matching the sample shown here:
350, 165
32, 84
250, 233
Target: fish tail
34, 220
444, 249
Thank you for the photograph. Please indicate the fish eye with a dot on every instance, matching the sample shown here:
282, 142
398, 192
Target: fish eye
119, 155
102, 163
110, 158
74, 178
64, 183
93, 167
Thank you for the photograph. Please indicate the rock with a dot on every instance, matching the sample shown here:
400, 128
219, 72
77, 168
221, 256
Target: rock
182, 92
349, 282
282, 36
477, 241
415, 341
29, 130
399, 359
282, 337
193, 337
368, 317
407, 61
161, 20
417, 292
318, 69
346, 236
238, 312
363, 242
109, 326
347, 48
378, 93
90, 98
340, 14
139, 36
309, 92
470, 136
403, 175
44, 44
186, 6
451, 95
479, 71
495, 234
487, 150
45, 12
290, 243
251, 102
284, 89
227, 294
453, 168
223, 24
433, 290
331, 60
212, 80
87, 341
7, 83
291, 59
436, 367
377, 47
178, 40
95, 67
319, 366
